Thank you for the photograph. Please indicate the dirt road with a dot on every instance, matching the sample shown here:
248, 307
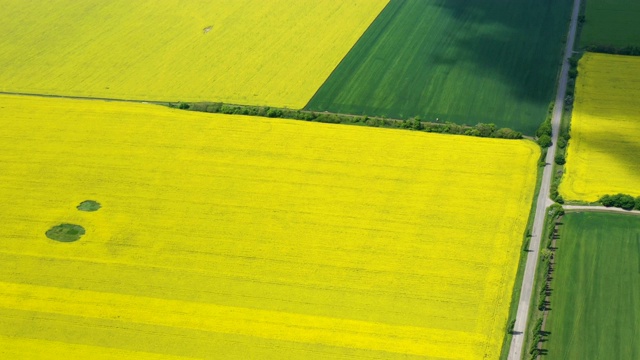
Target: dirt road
543, 201
599, 209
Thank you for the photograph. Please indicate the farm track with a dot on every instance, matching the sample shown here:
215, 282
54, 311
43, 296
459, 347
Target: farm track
603, 209
543, 201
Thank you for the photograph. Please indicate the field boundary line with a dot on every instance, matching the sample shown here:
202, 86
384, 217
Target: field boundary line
597, 208
84, 98
413, 124
543, 201
386, 7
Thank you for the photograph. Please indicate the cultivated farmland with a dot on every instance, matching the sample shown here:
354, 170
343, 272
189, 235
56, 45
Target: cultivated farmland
462, 61
602, 157
596, 291
611, 23
275, 52
215, 236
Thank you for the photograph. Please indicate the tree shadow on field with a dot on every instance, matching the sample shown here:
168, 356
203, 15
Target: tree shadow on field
466, 61
621, 146
519, 43
525, 46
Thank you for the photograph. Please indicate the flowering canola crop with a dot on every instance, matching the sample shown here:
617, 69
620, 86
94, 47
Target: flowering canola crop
603, 154
232, 237
276, 52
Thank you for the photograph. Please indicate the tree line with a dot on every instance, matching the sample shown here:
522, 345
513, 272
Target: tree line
414, 123
623, 201
608, 49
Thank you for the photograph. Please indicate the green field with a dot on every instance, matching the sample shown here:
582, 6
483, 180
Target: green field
463, 61
611, 23
596, 293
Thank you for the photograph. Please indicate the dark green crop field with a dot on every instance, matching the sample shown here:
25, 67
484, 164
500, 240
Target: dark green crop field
595, 302
464, 61
613, 23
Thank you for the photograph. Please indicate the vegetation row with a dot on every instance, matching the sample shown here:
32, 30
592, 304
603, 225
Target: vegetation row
537, 336
608, 49
623, 201
414, 123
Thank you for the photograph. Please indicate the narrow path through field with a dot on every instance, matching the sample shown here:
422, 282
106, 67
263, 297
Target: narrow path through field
543, 201
599, 209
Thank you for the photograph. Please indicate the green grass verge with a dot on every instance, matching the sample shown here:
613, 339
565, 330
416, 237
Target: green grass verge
611, 23
462, 61
596, 298
552, 218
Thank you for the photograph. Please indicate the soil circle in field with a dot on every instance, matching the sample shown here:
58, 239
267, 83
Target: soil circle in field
89, 205
65, 232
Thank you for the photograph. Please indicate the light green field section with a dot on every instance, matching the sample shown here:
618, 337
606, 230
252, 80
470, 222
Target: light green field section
595, 303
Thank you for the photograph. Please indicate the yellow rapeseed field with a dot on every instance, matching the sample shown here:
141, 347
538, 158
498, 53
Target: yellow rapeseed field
231, 237
275, 52
604, 151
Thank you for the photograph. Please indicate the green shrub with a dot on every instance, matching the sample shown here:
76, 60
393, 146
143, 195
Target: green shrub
414, 123
624, 201
544, 141
506, 133
573, 73
562, 143
544, 129
274, 113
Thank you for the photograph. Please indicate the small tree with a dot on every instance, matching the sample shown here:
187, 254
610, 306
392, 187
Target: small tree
542, 303
544, 141
506, 133
573, 73
560, 160
545, 128
562, 143
485, 130
607, 200
416, 124
274, 113
538, 327
626, 202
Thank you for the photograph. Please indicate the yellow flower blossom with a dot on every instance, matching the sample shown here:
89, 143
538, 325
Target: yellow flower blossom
233, 237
